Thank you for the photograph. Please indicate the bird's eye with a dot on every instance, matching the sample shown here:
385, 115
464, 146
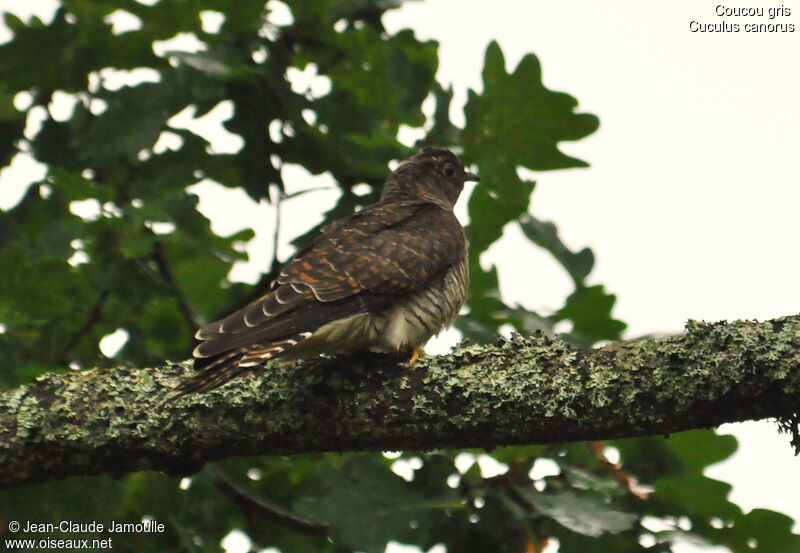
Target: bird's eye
449, 170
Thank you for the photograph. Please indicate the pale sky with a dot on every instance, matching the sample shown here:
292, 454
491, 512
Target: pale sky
691, 201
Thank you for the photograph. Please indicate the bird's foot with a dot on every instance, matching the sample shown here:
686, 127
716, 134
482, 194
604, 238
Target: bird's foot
415, 355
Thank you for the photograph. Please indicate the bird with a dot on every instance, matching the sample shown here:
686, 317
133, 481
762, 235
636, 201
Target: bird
385, 279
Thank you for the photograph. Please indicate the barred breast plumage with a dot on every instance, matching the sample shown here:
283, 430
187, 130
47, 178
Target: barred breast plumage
424, 314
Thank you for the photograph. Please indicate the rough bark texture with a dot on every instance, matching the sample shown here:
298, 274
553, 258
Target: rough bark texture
534, 390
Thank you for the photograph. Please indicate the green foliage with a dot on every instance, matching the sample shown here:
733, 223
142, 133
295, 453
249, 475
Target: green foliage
682, 490
517, 123
588, 515
368, 505
147, 261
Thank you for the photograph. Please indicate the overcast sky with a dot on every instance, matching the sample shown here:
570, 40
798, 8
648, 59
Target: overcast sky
691, 201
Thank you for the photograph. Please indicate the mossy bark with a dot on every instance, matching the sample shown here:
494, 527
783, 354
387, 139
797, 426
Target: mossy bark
534, 390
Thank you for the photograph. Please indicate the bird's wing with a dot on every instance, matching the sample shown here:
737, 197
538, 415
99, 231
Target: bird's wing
364, 263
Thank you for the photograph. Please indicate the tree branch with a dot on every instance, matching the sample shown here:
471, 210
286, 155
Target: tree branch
535, 390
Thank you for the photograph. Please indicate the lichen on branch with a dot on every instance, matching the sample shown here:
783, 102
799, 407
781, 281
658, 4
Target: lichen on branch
523, 390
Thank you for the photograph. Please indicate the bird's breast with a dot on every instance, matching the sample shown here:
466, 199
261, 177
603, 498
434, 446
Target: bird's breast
413, 320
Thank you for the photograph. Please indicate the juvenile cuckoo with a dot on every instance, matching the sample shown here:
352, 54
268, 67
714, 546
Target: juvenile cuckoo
385, 279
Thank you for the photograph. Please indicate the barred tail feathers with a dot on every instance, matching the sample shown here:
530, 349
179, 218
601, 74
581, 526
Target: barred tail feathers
217, 370
258, 354
213, 373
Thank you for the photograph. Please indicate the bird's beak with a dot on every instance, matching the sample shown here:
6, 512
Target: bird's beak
471, 176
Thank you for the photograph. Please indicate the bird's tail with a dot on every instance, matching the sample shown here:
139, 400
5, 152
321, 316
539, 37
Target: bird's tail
217, 370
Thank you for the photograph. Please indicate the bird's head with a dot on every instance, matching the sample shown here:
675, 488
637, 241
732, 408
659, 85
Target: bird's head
435, 175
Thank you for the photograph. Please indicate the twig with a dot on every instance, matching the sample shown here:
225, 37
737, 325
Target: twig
267, 509
627, 482
95, 315
265, 282
163, 269
275, 265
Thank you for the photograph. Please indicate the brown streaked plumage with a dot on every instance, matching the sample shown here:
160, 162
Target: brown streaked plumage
384, 279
